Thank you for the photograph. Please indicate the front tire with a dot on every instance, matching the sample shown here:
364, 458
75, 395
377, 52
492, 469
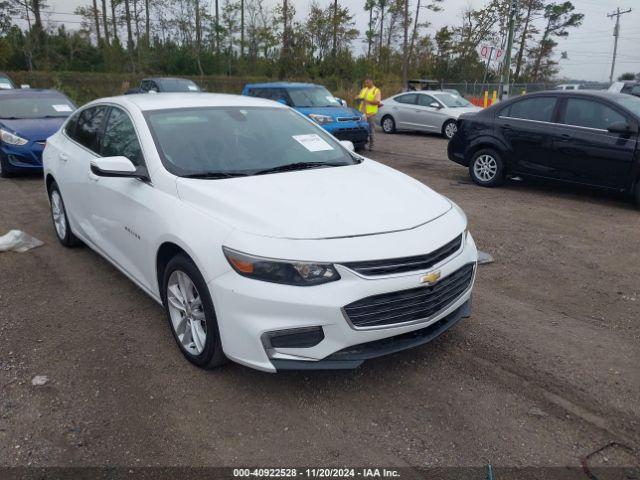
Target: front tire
190, 313
487, 168
388, 124
60, 218
449, 129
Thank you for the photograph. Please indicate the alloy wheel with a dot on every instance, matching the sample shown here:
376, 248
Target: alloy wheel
59, 215
485, 167
387, 125
450, 130
187, 312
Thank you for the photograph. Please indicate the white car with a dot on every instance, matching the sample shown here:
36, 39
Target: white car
428, 111
267, 241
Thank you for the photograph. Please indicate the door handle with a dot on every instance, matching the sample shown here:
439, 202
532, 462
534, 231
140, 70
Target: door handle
565, 136
506, 126
63, 157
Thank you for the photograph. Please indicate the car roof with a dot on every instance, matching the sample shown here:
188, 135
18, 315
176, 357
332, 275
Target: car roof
605, 94
281, 85
160, 79
148, 102
26, 92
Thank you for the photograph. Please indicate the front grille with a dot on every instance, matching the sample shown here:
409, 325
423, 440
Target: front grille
406, 264
349, 119
410, 305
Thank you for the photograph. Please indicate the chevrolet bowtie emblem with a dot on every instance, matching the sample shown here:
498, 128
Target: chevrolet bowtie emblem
430, 278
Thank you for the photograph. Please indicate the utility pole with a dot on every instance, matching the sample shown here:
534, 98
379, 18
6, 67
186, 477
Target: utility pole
405, 47
616, 34
506, 67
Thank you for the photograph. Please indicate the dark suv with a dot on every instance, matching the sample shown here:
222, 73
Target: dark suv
576, 136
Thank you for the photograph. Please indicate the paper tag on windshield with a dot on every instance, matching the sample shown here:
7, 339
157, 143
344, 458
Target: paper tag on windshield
62, 108
312, 142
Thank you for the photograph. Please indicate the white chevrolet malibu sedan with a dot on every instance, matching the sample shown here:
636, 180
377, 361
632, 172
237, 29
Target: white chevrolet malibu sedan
267, 241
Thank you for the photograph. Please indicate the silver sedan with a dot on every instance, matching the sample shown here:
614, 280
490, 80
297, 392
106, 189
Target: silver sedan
427, 111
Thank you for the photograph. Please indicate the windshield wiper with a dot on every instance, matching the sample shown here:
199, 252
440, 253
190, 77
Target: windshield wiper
300, 166
214, 175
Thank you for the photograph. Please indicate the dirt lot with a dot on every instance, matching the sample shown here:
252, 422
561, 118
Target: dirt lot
545, 371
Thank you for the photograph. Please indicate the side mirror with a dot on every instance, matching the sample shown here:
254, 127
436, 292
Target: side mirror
341, 101
622, 128
117, 167
435, 105
348, 145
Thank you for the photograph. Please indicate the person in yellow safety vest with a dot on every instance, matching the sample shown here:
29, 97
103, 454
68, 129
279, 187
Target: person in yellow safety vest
369, 99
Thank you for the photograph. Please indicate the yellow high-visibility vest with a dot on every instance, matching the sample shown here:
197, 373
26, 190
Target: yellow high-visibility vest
369, 94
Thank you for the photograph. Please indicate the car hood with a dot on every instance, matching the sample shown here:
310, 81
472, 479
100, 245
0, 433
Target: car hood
34, 129
335, 202
333, 112
456, 112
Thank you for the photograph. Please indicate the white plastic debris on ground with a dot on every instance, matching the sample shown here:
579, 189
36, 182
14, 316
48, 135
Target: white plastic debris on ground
18, 241
39, 380
484, 257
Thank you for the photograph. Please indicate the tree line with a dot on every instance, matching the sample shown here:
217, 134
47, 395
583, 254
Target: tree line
240, 37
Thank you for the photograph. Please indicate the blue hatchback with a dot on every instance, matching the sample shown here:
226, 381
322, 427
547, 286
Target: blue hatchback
27, 118
316, 102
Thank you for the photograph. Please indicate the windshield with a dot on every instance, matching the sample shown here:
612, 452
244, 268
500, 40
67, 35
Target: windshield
312, 97
5, 83
179, 85
240, 140
35, 106
630, 103
452, 101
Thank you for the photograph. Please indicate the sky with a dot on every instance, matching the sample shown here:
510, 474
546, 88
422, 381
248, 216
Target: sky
589, 48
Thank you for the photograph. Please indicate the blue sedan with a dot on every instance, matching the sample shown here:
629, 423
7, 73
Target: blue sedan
27, 118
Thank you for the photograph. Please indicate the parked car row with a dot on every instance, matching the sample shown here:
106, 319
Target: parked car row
270, 242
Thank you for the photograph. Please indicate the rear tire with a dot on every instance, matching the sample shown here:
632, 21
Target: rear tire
60, 218
487, 168
388, 124
190, 313
449, 129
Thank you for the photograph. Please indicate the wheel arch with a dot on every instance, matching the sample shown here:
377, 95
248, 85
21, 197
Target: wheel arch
487, 142
166, 251
48, 182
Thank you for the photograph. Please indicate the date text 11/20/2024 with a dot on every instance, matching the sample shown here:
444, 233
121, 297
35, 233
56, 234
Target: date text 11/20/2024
315, 473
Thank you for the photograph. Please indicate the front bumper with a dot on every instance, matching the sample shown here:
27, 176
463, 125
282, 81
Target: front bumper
355, 132
23, 158
248, 309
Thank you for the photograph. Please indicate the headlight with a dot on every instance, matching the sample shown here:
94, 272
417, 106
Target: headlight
320, 119
281, 271
11, 139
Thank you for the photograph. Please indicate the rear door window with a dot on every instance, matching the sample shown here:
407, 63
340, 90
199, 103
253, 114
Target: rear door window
89, 127
581, 112
537, 108
409, 98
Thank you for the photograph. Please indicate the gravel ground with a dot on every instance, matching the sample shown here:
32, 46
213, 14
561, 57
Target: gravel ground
542, 374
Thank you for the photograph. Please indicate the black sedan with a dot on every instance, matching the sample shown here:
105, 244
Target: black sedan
584, 137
